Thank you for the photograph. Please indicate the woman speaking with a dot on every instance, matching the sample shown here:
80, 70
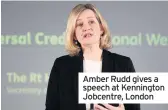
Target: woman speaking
87, 41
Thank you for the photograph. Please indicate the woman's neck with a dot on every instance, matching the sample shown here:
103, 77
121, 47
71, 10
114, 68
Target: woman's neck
92, 52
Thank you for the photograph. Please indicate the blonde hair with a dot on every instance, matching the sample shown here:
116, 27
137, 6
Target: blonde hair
70, 45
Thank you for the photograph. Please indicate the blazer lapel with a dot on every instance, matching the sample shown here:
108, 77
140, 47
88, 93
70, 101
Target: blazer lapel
107, 63
107, 66
81, 106
78, 67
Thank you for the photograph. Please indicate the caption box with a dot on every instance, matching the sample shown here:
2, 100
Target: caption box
123, 87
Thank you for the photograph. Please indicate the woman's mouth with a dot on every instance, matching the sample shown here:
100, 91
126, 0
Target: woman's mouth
87, 35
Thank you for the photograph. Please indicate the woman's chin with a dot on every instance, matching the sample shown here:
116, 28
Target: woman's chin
87, 43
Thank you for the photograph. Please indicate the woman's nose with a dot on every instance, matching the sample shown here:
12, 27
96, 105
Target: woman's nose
86, 27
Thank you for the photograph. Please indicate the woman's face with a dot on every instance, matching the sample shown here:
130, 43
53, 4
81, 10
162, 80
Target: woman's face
88, 30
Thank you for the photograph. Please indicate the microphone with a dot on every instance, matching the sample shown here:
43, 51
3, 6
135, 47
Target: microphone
115, 105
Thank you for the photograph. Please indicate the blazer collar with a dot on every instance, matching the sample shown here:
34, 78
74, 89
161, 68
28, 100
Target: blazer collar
105, 61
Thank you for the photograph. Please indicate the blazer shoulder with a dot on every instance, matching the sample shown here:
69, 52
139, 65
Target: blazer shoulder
122, 61
64, 60
119, 57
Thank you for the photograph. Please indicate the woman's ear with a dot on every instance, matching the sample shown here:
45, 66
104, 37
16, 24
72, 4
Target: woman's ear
101, 30
74, 38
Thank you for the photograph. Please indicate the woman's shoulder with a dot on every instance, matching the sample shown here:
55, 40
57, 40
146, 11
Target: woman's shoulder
67, 59
117, 56
121, 61
63, 58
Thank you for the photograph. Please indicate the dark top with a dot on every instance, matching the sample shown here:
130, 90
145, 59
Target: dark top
62, 91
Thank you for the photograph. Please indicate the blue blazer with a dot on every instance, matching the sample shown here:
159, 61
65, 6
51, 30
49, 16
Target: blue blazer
62, 91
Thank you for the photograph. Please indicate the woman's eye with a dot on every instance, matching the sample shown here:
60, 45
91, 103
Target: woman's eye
91, 22
80, 24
